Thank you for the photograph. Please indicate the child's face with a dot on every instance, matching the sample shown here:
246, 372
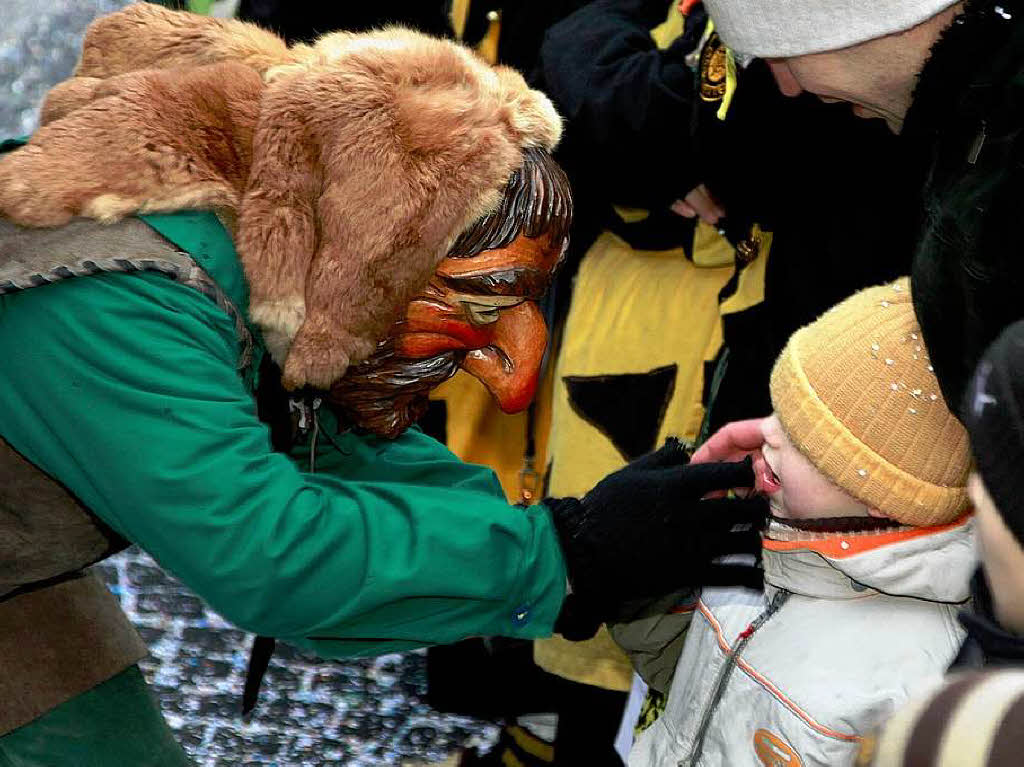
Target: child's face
1002, 557
795, 488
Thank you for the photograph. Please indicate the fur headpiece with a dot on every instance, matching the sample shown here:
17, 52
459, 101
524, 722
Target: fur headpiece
347, 168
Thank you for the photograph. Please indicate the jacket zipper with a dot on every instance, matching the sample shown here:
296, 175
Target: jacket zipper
976, 145
723, 676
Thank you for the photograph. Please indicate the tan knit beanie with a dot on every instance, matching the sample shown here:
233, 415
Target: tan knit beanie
857, 395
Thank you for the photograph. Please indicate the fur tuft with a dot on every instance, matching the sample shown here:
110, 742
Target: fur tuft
137, 147
149, 36
64, 98
280, 320
530, 113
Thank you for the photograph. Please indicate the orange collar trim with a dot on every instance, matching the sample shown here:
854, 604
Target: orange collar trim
844, 546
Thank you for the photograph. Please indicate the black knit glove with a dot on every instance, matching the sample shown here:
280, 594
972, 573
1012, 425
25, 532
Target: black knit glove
644, 532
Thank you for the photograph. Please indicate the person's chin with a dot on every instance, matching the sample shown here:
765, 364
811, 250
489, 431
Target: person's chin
894, 123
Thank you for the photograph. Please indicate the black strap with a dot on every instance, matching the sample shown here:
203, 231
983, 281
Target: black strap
259, 659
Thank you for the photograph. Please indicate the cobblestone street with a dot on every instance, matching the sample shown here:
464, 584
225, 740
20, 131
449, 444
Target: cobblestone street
312, 712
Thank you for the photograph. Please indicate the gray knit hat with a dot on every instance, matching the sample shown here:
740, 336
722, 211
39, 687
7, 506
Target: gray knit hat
779, 28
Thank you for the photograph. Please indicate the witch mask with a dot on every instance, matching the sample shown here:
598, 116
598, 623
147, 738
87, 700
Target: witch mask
346, 170
478, 312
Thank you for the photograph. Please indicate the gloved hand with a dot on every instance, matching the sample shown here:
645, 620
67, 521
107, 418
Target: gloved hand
644, 532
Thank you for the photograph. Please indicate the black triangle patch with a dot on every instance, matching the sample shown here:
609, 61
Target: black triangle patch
628, 408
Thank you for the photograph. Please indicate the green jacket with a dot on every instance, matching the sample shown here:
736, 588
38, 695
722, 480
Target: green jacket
124, 387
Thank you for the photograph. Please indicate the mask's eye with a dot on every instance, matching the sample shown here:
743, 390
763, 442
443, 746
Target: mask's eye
485, 310
482, 315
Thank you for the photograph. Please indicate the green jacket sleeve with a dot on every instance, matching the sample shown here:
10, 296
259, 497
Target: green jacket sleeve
124, 388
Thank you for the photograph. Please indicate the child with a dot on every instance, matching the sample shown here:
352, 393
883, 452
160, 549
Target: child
994, 414
867, 558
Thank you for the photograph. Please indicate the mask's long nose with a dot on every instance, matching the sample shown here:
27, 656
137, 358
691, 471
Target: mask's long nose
510, 365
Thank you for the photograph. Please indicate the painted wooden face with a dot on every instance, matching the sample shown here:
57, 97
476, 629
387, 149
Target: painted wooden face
479, 313
486, 306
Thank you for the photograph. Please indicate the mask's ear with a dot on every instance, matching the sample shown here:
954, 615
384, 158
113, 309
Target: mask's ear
364, 173
149, 36
147, 141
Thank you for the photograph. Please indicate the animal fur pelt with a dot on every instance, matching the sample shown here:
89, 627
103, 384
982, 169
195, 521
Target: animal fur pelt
351, 165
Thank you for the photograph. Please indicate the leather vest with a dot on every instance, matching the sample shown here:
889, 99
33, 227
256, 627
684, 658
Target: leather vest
77, 635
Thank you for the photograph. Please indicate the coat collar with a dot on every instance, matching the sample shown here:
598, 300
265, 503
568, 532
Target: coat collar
930, 563
969, 69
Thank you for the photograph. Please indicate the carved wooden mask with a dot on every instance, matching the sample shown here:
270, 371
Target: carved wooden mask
479, 311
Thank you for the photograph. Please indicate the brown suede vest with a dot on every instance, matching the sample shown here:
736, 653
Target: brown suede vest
61, 631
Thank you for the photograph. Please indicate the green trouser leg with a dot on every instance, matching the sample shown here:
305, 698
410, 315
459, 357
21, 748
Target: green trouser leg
115, 723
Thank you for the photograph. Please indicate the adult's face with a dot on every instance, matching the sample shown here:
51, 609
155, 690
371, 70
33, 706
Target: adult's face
478, 313
876, 77
1002, 557
848, 76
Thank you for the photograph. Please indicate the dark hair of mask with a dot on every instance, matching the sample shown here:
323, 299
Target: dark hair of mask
537, 201
386, 394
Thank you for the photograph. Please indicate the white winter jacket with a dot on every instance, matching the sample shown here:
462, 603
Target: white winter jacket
849, 627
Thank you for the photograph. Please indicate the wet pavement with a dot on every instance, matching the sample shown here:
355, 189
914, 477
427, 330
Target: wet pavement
39, 45
311, 711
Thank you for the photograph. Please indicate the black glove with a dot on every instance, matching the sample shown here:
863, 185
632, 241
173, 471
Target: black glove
644, 532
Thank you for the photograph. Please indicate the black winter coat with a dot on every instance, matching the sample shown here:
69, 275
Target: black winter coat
832, 188
967, 118
987, 643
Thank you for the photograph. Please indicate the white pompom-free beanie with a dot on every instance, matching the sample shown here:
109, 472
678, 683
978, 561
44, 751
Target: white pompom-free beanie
780, 28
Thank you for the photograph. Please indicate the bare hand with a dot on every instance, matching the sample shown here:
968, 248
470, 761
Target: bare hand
699, 203
733, 442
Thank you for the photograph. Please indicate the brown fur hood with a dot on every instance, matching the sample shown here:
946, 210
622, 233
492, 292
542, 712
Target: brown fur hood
346, 168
